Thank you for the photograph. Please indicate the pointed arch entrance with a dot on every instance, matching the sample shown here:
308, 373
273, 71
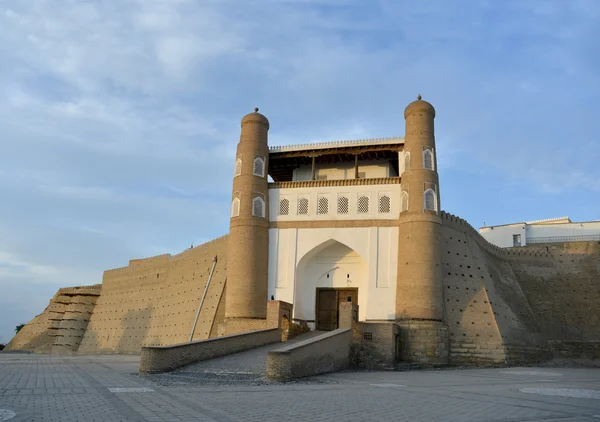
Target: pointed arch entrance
329, 274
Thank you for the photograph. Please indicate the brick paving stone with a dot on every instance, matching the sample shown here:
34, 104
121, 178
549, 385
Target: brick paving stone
76, 388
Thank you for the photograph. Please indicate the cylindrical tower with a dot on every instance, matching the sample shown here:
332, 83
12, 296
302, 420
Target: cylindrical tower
248, 242
419, 292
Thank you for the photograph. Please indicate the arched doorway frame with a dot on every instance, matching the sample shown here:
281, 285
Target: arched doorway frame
305, 260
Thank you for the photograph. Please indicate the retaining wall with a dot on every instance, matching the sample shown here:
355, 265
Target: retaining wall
328, 352
586, 350
423, 343
156, 359
373, 345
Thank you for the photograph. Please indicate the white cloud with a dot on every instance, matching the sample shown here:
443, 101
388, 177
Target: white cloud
13, 266
83, 193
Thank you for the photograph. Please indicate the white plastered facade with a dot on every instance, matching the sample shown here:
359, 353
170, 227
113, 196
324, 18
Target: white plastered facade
304, 259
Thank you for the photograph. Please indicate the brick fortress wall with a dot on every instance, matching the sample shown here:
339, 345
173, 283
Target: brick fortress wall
503, 305
563, 289
154, 301
151, 302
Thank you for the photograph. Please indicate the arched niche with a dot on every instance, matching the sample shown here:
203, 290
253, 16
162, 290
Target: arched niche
329, 265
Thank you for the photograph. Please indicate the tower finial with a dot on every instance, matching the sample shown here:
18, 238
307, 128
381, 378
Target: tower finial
419, 97
256, 109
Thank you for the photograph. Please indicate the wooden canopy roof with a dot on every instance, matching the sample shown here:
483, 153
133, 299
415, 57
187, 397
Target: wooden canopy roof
283, 160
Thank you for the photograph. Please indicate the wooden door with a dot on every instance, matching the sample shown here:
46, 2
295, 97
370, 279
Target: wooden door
327, 312
328, 305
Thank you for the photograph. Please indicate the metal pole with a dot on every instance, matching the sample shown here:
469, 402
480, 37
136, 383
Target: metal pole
203, 296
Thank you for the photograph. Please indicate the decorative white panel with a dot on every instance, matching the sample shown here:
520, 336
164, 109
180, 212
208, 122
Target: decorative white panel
343, 203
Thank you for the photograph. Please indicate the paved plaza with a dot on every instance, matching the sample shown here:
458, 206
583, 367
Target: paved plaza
107, 388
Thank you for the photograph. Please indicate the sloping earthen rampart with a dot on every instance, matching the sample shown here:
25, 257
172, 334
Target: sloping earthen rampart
60, 328
503, 305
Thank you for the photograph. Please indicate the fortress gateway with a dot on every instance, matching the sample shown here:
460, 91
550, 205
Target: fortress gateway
351, 221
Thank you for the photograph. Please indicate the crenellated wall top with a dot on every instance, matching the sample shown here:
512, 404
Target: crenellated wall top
397, 140
201, 246
457, 223
150, 260
147, 262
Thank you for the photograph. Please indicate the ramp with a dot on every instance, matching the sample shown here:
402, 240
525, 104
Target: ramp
248, 367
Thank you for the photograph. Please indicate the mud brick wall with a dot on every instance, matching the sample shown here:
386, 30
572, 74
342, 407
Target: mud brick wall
422, 342
243, 325
155, 359
564, 291
589, 350
503, 305
154, 301
277, 310
500, 305
474, 335
489, 317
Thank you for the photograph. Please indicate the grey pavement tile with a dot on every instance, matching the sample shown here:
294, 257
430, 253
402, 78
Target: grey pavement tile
76, 388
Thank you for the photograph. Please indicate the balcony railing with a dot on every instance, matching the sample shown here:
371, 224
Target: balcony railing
338, 182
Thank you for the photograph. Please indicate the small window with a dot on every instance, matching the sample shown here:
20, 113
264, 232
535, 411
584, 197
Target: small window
384, 204
343, 205
407, 161
235, 207
516, 240
323, 205
404, 201
362, 175
284, 207
238, 167
259, 167
363, 204
303, 206
258, 207
322, 177
430, 200
428, 159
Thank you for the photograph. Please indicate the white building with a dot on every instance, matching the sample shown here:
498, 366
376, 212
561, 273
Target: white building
357, 184
551, 230
330, 224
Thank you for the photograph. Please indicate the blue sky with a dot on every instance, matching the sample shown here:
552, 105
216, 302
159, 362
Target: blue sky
119, 119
